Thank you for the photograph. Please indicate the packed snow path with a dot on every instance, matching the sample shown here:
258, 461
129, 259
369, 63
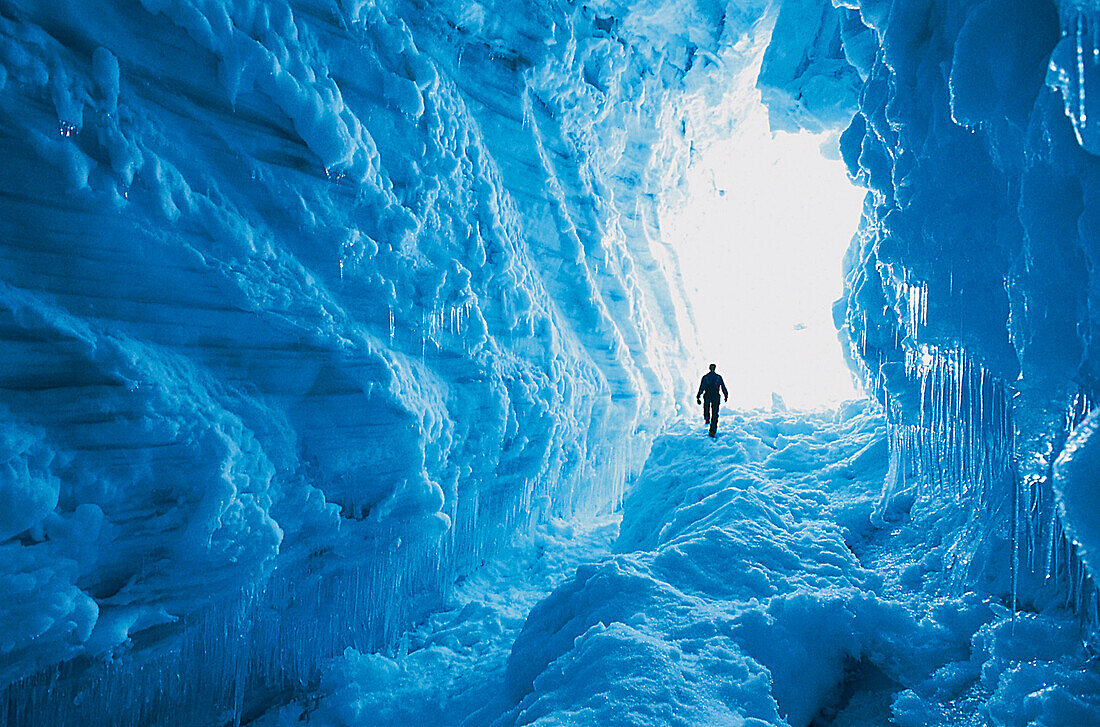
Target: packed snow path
754, 581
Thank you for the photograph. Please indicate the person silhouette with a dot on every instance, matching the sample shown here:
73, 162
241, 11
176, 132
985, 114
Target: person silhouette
709, 387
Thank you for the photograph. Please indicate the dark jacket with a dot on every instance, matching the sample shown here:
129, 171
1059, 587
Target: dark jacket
710, 386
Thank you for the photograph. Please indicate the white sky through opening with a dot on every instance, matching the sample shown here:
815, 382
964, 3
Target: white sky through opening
761, 238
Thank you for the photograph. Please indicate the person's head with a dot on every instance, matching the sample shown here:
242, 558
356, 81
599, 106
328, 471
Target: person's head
713, 367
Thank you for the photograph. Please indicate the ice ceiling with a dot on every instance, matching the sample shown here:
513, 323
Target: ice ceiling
308, 306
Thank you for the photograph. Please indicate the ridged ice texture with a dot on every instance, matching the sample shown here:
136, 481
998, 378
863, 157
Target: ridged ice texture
970, 290
305, 307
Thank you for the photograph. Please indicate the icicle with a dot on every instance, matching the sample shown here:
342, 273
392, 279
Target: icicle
1095, 42
1015, 528
863, 335
1082, 116
956, 439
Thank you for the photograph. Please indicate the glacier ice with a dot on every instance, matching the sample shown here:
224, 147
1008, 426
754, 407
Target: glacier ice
312, 310
306, 308
967, 282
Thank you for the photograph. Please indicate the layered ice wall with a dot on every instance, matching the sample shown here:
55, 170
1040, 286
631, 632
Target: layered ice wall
305, 307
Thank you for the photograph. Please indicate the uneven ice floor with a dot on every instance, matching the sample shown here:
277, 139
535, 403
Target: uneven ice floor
749, 582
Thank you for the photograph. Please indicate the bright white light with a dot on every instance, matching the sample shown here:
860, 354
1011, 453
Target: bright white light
761, 238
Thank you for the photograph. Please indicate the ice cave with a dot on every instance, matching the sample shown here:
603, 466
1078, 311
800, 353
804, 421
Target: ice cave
348, 352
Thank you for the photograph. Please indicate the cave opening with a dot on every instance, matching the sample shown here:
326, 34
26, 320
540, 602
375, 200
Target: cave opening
761, 230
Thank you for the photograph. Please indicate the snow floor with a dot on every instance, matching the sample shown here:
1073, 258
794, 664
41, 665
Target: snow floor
747, 581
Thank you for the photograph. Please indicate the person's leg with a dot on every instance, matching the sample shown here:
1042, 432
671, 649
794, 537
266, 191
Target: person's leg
706, 411
712, 407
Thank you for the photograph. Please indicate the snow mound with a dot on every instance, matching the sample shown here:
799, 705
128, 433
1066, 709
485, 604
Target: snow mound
749, 584
734, 597
749, 587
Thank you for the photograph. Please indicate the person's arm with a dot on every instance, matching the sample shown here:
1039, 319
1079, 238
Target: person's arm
722, 383
700, 391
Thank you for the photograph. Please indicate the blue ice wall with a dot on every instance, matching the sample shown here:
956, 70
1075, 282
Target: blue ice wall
305, 307
971, 288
